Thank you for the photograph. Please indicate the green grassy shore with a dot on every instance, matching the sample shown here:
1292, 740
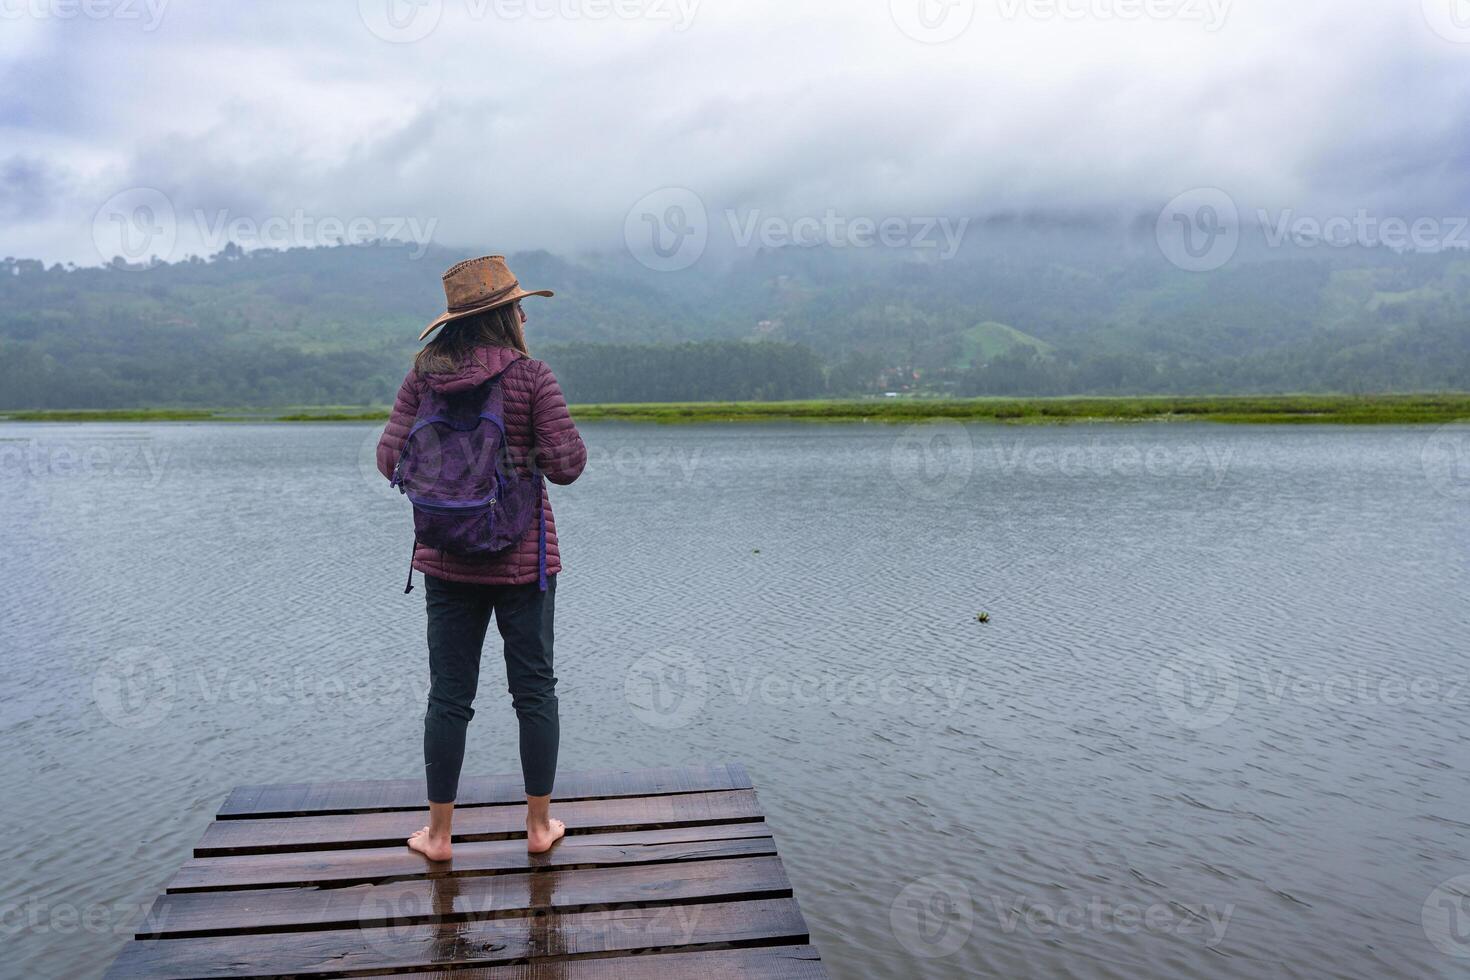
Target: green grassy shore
1254, 409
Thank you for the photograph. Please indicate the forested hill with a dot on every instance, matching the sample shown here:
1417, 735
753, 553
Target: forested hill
1015, 315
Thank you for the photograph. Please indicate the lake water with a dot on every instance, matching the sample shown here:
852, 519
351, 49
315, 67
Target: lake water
1216, 725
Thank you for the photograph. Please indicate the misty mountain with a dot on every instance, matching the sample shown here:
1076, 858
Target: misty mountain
1024, 307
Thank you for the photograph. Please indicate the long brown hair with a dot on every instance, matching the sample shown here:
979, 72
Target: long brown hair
497, 327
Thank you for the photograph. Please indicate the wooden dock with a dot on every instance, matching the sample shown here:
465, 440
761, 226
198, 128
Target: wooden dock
663, 873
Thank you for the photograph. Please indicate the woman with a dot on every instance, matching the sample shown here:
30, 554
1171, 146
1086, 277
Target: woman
481, 337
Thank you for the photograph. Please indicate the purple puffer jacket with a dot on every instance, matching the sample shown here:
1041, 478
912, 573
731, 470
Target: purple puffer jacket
537, 426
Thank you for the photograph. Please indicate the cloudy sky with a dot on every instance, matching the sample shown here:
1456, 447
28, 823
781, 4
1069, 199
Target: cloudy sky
508, 124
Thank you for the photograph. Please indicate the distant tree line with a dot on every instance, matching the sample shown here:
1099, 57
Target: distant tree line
708, 371
1424, 356
335, 326
176, 367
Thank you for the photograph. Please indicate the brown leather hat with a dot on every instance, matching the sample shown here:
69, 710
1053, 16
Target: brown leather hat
476, 285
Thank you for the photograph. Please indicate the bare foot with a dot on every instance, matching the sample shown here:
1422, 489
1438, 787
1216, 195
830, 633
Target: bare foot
540, 837
433, 848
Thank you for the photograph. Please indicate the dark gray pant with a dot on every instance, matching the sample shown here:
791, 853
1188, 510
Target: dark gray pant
459, 615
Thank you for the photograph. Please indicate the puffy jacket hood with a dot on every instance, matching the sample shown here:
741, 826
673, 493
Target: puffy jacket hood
483, 364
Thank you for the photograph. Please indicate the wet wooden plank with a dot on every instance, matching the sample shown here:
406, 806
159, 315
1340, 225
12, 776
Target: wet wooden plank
386, 829
293, 799
667, 873
550, 938
757, 962
458, 899
379, 864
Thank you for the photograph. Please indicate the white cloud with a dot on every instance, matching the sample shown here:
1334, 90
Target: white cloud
514, 130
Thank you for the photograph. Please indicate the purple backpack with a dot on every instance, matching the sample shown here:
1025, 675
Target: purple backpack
455, 468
